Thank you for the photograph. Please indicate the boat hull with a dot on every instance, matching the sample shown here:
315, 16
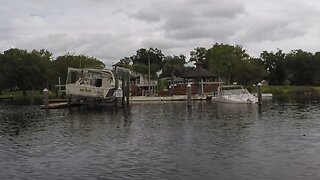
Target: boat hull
223, 100
234, 94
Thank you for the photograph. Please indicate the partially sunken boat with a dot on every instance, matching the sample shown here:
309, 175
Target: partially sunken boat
234, 94
90, 86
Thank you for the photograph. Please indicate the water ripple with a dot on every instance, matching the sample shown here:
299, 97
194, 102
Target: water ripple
162, 141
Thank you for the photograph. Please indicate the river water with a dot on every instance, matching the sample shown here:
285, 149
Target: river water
163, 140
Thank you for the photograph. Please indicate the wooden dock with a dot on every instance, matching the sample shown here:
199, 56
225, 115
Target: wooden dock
166, 98
56, 105
62, 103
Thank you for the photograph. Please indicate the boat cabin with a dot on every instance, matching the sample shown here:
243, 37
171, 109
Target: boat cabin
95, 83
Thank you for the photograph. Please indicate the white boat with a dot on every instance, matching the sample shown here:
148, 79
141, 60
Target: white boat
90, 84
234, 94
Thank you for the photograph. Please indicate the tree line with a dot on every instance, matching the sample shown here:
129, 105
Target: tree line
23, 70
232, 63
20, 69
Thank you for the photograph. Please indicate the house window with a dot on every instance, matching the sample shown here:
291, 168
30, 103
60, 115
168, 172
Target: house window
138, 80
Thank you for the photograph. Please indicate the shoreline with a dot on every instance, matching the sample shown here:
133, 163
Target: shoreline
275, 90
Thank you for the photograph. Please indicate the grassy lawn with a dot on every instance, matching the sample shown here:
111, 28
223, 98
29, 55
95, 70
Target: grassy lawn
18, 95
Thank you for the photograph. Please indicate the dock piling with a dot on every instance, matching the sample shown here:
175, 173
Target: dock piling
123, 79
128, 88
259, 93
119, 95
189, 95
46, 98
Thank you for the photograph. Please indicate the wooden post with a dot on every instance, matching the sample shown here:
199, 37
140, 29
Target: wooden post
119, 95
123, 86
128, 88
149, 75
59, 84
170, 91
46, 98
116, 83
31, 97
69, 100
201, 86
116, 77
189, 95
259, 93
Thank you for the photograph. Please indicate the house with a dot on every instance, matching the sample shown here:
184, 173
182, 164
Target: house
203, 79
140, 84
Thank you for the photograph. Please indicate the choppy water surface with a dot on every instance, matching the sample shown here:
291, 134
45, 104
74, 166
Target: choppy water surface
163, 141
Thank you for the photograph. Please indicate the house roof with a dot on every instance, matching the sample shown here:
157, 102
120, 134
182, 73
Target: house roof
198, 72
175, 79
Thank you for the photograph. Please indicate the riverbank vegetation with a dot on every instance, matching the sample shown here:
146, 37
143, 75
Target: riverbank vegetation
29, 95
295, 71
305, 90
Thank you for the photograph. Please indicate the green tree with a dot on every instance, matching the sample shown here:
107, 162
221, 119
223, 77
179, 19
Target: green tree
125, 62
173, 66
222, 58
249, 72
25, 70
199, 55
18, 68
13, 67
41, 71
301, 67
316, 67
275, 65
3, 77
141, 61
61, 64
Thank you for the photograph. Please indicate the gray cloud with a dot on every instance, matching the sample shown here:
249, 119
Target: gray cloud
147, 15
272, 31
111, 30
193, 19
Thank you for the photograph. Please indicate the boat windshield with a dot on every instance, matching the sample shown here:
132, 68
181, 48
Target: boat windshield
233, 90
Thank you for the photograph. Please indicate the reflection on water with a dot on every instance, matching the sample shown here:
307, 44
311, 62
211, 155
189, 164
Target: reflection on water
163, 140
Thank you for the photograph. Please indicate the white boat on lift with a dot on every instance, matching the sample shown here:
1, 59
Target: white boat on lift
234, 94
89, 85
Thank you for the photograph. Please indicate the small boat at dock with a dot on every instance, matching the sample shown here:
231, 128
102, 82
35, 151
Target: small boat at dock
234, 94
90, 85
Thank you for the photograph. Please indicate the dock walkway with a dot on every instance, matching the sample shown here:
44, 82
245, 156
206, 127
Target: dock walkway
166, 98
61, 103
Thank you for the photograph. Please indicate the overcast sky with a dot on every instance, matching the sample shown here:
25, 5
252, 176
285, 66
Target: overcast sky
113, 29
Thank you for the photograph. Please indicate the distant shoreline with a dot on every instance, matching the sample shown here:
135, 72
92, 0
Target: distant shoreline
299, 90
290, 90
